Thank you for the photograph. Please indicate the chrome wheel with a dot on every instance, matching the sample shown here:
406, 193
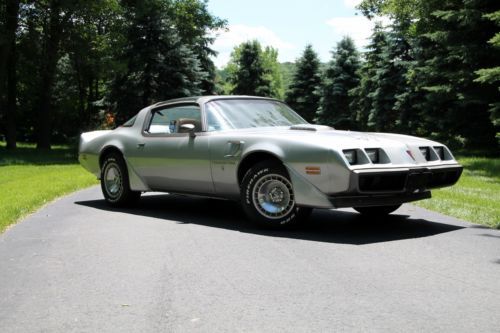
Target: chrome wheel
115, 183
273, 196
113, 180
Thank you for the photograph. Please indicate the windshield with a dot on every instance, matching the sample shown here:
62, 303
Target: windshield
228, 114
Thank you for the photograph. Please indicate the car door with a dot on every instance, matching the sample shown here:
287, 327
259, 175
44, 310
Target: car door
168, 157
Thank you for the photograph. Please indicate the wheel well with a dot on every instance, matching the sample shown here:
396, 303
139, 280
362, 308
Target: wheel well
253, 159
108, 150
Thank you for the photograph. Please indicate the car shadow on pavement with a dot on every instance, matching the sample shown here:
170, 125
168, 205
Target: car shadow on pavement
323, 226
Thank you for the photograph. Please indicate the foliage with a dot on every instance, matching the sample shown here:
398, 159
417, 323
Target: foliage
287, 70
452, 87
66, 65
159, 65
397, 9
74, 62
454, 103
272, 72
84, 70
338, 79
363, 95
264, 67
301, 95
192, 21
381, 99
9, 17
248, 72
491, 75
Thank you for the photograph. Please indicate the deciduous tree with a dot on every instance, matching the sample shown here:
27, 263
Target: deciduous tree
249, 74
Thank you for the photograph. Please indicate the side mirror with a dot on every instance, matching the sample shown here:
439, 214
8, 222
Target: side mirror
189, 128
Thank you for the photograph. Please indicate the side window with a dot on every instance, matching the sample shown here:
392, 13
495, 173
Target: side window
169, 120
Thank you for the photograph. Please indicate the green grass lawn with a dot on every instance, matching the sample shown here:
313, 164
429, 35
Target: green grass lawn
30, 178
476, 196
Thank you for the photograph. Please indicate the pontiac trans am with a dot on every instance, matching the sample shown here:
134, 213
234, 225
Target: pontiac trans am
260, 152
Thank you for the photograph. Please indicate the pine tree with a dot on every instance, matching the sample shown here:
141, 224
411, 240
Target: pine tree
301, 95
381, 99
248, 76
339, 78
401, 53
491, 76
452, 46
386, 113
193, 21
362, 95
159, 65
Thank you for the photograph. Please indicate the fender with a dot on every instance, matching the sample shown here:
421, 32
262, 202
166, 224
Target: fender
306, 194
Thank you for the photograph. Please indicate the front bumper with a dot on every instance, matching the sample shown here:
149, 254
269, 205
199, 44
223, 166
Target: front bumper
377, 200
386, 187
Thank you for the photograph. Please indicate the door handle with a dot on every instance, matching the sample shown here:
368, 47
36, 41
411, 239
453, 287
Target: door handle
141, 145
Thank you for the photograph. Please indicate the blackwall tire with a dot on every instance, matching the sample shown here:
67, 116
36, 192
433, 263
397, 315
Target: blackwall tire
115, 184
268, 199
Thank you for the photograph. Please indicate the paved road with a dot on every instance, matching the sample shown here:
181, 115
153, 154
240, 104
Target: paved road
180, 264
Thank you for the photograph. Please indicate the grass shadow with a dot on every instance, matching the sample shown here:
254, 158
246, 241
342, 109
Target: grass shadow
29, 155
480, 166
323, 226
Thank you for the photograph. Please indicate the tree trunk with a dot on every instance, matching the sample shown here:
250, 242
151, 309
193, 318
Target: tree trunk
8, 35
47, 75
10, 115
8, 69
90, 100
81, 89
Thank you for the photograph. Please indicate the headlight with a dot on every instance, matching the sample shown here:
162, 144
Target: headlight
373, 155
351, 156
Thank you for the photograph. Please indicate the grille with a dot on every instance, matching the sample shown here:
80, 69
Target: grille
381, 183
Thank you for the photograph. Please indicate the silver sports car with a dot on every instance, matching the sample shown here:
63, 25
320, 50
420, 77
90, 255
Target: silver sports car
260, 152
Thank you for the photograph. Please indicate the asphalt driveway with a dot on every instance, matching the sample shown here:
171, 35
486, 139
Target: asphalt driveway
177, 264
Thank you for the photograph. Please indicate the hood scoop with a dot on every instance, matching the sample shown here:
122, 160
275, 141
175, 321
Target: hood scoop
309, 127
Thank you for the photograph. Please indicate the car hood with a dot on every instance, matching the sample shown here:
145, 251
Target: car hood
402, 150
327, 136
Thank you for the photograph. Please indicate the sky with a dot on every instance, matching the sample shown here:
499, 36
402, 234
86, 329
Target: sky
288, 26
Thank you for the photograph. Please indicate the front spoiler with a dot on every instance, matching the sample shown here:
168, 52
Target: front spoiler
394, 187
377, 200
381, 187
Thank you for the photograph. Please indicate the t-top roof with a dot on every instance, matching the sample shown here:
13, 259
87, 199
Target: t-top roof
208, 98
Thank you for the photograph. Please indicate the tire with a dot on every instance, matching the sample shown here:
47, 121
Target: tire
268, 199
377, 210
115, 184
